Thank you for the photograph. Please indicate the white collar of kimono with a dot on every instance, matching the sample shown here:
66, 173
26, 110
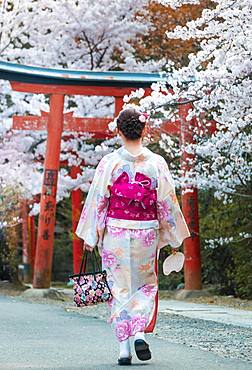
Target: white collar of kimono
132, 157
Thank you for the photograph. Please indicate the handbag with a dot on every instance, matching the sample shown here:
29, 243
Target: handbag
90, 287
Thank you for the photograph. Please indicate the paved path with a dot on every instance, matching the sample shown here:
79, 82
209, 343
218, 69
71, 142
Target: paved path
223, 314
212, 312
46, 336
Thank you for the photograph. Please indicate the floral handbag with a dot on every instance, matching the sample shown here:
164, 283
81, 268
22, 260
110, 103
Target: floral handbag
90, 287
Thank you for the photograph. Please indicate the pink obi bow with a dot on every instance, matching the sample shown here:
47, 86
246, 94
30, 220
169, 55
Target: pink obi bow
133, 198
139, 190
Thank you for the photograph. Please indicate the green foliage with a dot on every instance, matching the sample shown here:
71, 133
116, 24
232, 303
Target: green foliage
4, 265
228, 265
10, 253
63, 250
242, 257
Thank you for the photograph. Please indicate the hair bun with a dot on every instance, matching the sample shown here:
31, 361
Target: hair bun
130, 125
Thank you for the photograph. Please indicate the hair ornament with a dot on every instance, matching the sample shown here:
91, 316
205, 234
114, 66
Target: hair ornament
143, 117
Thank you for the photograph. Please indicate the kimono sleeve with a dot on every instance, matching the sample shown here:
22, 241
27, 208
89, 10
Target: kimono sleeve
172, 225
91, 224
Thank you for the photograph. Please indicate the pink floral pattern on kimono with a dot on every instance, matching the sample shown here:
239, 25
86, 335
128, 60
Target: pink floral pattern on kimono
165, 212
147, 236
117, 232
101, 210
130, 326
123, 330
108, 257
149, 290
138, 323
101, 166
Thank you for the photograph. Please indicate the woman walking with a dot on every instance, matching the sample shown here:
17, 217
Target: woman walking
130, 213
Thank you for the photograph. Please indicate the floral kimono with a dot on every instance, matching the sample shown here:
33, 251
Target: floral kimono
131, 211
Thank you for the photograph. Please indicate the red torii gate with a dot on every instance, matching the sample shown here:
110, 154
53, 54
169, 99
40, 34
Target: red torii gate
98, 127
58, 83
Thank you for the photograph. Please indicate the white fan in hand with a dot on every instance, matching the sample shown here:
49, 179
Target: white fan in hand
174, 262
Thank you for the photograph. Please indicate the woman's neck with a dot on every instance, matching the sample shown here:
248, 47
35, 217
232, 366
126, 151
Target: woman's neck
133, 147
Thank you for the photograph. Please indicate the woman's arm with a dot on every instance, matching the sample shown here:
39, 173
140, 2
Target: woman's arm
92, 220
173, 228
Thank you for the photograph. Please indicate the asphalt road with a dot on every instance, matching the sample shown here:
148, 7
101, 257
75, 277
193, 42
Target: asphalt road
46, 336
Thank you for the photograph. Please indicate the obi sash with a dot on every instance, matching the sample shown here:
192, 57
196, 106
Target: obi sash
132, 200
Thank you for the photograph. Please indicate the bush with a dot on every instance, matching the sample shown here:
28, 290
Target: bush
227, 262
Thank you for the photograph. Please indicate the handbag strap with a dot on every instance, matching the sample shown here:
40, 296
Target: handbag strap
94, 262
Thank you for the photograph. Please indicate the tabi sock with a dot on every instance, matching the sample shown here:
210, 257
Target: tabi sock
124, 349
140, 335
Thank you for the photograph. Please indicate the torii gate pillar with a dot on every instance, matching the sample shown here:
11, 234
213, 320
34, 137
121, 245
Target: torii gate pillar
189, 202
44, 249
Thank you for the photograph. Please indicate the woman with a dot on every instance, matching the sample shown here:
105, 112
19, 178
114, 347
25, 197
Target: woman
131, 211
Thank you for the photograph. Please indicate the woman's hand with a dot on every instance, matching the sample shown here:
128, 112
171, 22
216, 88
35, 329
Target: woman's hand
87, 247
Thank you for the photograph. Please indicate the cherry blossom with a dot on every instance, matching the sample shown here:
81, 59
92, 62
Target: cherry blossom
32, 33
217, 85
